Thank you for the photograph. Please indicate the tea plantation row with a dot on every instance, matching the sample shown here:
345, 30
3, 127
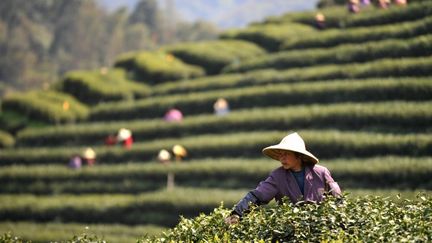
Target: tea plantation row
326, 143
411, 116
389, 172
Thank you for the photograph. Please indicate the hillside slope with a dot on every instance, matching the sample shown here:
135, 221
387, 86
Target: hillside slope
362, 107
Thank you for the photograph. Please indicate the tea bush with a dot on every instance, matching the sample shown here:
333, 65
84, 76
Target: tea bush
156, 67
63, 232
327, 143
9, 238
213, 56
269, 36
12, 122
390, 172
349, 53
47, 106
328, 3
83, 238
270, 95
384, 68
363, 219
92, 87
359, 35
158, 207
395, 14
339, 17
411, 117
335, 17
6, 140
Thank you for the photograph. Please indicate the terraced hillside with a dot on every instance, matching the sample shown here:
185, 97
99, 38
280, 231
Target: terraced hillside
358, 92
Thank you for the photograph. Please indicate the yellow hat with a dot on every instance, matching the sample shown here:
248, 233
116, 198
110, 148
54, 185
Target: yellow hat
89, 153
179, 150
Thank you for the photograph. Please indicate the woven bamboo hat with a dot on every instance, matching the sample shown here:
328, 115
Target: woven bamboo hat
292, 142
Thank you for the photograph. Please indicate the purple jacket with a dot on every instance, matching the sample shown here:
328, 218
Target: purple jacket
281, 183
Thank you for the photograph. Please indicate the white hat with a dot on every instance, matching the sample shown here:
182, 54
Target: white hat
124, 134
293, 142
164, 155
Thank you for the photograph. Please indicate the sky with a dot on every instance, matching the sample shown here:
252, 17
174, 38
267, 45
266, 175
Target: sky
226, 13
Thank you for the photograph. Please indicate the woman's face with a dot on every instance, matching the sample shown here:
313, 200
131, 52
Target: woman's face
289, 160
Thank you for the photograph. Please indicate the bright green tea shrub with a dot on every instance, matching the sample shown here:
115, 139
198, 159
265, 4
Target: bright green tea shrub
270, 36
342, 54
92, 87
363, 219
381, 68
56, 231
339, 17
6, 140
83, 238
336, 37
410, 117
271, 95
46, 106
157, 67
213, 56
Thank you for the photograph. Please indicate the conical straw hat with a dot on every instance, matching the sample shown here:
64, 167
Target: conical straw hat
293, 142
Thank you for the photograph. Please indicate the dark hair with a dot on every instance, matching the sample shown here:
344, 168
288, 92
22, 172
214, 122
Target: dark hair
305, 159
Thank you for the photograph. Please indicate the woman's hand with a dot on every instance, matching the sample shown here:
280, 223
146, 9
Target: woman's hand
232, 219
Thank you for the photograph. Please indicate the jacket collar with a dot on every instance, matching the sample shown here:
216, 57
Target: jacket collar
292, 184
308, 181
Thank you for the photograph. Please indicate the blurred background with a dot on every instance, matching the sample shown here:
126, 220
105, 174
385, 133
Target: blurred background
41, 40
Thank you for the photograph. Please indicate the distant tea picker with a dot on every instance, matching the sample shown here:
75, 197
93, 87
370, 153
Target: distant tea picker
299, 178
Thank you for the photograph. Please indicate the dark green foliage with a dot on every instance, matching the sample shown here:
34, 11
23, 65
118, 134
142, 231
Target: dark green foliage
12, 122
349, 53
364, 219
6, 140
92, 87
9, 238
160, 207
213, 56
270, 95
270, 36
395, 14
390, 172
157, 67
333, 17
328, 3
46, 106
401, 67
83, 238
63, 232
86, 238
339, 17
326, 143
359, 35
410, 117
